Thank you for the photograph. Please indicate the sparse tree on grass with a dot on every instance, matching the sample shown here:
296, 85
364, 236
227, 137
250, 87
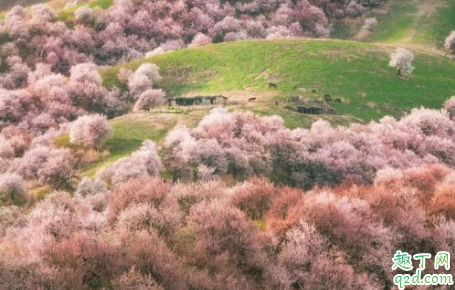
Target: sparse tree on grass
401, 59
449, 43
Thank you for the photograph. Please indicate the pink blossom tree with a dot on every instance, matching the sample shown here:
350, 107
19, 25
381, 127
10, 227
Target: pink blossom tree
200, 39
90, 131
124, 75
49, 165
11, 185
134, 280
57, 171
142, 163
143, 79
85, 85
150, 99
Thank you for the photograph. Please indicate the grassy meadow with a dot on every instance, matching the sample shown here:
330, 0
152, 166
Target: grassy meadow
357, 73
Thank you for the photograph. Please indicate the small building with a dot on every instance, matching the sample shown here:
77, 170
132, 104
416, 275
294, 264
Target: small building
310, 110
198, 101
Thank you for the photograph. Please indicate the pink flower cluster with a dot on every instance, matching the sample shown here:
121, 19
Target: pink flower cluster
242, 145
148, 233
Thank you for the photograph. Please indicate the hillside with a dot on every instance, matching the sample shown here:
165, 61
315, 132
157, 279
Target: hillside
356, 73
227, 144
419, 23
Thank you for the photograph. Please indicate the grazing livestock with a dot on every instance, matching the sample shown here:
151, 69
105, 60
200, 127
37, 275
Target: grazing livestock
273, 86
252, 99
337, 100
327, 98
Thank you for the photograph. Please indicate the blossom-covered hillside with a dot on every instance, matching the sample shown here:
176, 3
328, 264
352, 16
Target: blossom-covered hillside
207, 145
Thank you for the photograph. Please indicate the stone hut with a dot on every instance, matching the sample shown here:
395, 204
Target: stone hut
198, 101
310, 110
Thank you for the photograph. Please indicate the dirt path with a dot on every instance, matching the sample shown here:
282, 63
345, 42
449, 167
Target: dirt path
362, 34
415, 47
425, 9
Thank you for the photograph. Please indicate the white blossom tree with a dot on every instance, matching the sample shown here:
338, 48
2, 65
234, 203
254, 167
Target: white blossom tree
449, 43
401, 59
91, 131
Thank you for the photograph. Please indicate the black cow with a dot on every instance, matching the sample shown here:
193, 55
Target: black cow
327, 98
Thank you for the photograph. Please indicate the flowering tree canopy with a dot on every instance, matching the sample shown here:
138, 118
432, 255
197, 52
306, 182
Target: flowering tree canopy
401, 59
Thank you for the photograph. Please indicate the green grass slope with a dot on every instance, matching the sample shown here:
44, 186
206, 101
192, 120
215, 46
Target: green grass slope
357, 73
398, 23
415, 22
129, 132
434, 28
